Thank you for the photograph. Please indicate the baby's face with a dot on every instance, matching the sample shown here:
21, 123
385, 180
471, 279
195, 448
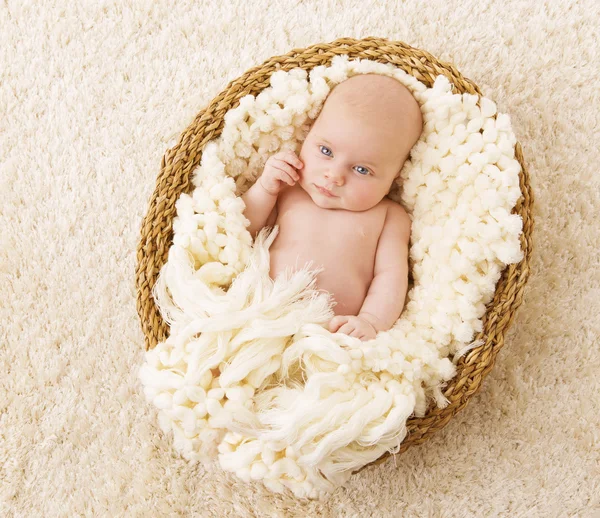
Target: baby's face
349, 161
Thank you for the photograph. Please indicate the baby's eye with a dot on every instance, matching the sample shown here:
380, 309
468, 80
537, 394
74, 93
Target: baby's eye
327, 151
361, 170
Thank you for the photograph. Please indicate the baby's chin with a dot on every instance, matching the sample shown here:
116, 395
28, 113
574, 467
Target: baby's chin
333, 203
327, 204
319, 199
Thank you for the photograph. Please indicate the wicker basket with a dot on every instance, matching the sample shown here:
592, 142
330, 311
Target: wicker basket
176, 174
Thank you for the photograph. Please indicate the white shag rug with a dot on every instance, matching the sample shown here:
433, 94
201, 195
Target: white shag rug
90, 98
295, 405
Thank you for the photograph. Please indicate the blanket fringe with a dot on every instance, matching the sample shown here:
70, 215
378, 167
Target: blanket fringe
292, 404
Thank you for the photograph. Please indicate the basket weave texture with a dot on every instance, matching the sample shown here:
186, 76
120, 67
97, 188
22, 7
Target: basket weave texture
175, 177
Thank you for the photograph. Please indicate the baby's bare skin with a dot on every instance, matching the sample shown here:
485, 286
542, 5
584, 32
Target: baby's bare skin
331, 207
343, 242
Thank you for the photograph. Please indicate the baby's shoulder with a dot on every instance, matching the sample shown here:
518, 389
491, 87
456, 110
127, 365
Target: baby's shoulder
395, 213
392, 205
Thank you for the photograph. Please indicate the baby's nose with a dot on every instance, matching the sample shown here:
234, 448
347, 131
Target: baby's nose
336, 177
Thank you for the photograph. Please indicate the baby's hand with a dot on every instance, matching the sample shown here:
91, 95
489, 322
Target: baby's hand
280, 169
353, 326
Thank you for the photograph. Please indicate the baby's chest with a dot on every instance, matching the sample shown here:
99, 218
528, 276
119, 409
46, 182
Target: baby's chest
342, 234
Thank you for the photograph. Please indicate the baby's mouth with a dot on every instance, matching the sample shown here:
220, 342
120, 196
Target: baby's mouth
325, 191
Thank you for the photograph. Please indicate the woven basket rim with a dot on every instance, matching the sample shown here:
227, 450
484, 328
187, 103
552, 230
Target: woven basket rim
175, 177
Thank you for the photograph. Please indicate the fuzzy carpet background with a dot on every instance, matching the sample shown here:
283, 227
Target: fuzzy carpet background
92, 95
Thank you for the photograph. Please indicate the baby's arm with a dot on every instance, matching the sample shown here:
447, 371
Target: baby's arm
260, 199
385, 299
259, 205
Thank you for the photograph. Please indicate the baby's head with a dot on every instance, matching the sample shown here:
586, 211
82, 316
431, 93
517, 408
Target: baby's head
359, 142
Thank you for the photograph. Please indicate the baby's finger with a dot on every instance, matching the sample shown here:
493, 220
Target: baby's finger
284, 176
346, 329
357, 333
284, 166
336, 322
292, 159
281, 174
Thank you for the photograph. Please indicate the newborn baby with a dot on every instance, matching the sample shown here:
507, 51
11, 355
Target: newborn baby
331, 207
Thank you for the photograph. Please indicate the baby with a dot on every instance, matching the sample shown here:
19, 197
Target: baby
331, 207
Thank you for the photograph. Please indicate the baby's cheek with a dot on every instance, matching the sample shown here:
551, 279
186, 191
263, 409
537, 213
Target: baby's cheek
364, 198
